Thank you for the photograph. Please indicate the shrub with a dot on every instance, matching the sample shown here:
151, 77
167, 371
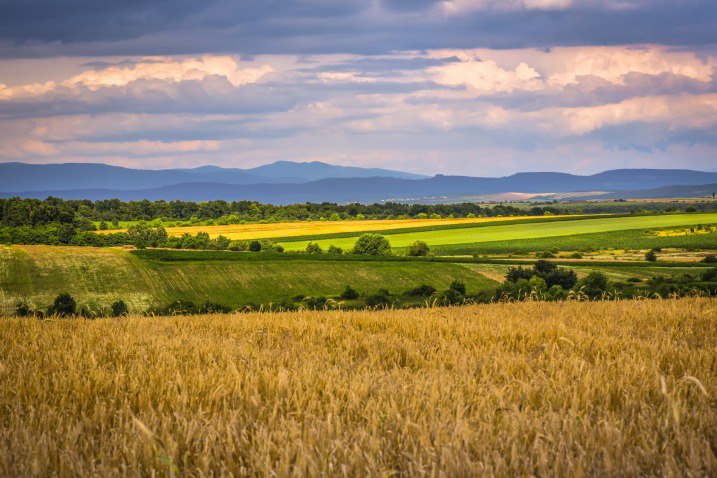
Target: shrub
424, 290
379, 299
314, 248
556, 293
709, 259
449, 297
373, 245
255, 246
349, 294
119, 308
458, 286
710, 275
63, 306
335, 250
576, 255
650, 256
593, 285
22, 309
418, 248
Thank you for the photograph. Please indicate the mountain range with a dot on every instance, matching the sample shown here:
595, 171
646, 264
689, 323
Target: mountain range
288, 182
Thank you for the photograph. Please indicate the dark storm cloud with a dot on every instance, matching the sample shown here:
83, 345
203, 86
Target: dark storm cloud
152, 27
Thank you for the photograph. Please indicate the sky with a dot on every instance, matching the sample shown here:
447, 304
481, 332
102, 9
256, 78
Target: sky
469, 87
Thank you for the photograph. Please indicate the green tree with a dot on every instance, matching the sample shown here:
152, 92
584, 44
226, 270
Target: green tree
119, 308
314, 248
63, 306
418, 248
593, 285
254, 246
650, 256
458, 286
349, 293
373, 245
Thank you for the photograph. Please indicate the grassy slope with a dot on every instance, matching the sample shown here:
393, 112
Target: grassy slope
513, 232
91, 275
526, 389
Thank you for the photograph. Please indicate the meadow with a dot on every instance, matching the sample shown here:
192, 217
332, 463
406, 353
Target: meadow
519, 231
99, 276
569, 389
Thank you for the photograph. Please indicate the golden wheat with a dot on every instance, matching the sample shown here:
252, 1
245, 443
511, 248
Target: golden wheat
305, 228
573, 389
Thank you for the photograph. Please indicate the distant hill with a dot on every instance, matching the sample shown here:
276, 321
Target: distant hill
375, 189
22, 177
675, 191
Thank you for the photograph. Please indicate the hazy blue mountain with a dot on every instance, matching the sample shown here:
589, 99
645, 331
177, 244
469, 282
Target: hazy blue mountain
316, 170
39, 177
375, 189
674, 191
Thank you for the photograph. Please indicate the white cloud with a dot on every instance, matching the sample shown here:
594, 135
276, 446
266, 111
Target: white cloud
149, 68
487, 77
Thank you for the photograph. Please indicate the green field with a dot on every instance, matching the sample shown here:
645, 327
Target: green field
97, 277
515, 233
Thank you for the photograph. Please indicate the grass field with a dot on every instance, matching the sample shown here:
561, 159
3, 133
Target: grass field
97, 276
526, 231
525, 389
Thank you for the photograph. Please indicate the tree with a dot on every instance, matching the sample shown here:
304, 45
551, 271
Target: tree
142, 236
254, 246
314, 248
335, 250
373, 245
458, 286
22, 309
119, 308
650, 256
418, 248
709, 259
63, 306
349, 293
593, 285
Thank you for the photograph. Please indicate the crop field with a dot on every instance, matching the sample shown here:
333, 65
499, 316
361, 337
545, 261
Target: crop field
570, 389
97, 276
307, 228
541, 231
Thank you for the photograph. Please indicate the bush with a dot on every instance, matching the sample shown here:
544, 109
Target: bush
458, 286
119, 308
709, 259
22, 309
314, 248
710, 275
650, 256
449, 297
254, 246
379, 299
424, 290
373, 245
63, 306
335, 250
417, 249
349, 294
576, 255
593, 285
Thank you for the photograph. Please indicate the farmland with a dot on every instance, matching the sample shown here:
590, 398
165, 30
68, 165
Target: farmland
312, 228
569, 389
521, 231
98, 276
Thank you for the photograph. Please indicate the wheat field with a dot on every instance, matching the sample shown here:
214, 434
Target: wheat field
573, 389
306, 228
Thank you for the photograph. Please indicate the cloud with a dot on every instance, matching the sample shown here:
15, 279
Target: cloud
466, 111
51, 28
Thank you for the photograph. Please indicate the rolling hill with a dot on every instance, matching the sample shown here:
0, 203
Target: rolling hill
214, 183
